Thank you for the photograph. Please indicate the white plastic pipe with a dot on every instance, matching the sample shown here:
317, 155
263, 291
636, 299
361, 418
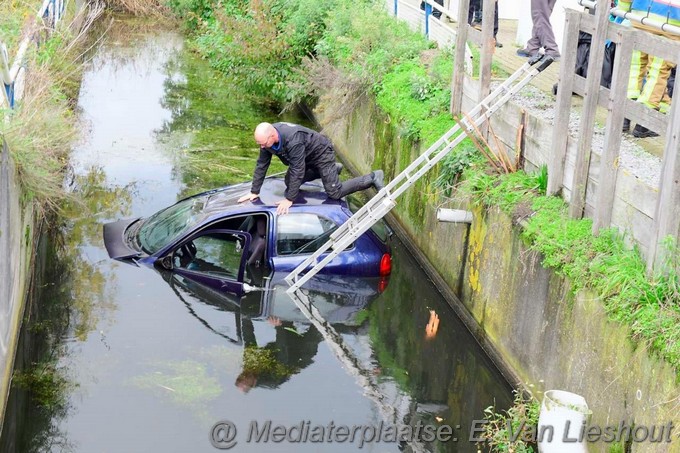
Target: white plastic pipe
454, 215
560, 421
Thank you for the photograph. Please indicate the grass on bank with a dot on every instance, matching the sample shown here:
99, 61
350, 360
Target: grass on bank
15, 15
42, 127
147, 8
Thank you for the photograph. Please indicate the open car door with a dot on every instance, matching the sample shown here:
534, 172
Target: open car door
216, 258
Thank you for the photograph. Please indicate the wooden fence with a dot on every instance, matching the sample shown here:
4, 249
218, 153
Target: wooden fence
666, 221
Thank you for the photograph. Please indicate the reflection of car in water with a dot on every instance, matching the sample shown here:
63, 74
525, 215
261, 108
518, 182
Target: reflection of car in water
212, 239
337, 298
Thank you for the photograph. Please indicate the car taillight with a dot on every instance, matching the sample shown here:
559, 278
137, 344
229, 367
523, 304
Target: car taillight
386, 264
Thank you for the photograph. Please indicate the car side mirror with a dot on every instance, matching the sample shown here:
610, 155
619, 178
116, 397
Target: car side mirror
166, 262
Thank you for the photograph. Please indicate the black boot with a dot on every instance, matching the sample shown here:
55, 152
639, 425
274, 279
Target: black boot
626, 125
642, 132
378, 179
351, 186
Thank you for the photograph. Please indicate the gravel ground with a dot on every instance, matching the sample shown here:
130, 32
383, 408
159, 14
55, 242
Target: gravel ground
633, 157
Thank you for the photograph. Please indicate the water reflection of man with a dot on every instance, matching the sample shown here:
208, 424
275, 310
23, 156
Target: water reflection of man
432, 326
271, 365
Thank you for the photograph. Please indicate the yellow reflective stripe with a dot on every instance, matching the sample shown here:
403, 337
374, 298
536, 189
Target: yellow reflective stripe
635, 73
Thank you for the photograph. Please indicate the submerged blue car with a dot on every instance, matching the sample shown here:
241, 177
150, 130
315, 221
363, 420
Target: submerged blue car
212, 239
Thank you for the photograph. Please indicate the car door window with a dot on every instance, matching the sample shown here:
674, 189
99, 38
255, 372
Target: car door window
217, 254
299, 233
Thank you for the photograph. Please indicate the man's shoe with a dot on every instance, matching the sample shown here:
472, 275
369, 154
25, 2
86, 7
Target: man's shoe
378, 180
554, 55
643, 132
499, 44
525, 53
339, 167
626, 125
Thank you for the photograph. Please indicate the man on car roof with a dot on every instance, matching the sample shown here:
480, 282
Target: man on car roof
309, 155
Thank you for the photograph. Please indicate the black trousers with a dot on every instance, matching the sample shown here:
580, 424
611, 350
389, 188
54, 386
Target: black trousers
475, 14
328, 172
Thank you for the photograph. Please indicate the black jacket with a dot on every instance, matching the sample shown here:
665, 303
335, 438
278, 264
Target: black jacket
300, 148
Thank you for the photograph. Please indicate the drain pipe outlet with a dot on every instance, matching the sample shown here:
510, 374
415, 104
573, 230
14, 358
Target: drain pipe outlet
560, 421
454, 216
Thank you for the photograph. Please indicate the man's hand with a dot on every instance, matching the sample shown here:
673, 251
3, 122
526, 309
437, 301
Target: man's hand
248, 197
283, 206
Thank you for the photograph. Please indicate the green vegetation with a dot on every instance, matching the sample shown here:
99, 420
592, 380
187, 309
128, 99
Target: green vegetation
512, 430
48, 386
417, 101
454, 164
212, 124
41, 128
186, 383
262, 362
283, 48
14, 15
148, 8
496, 70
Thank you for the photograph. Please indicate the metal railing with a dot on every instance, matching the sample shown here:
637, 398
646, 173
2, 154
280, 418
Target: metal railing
48, 16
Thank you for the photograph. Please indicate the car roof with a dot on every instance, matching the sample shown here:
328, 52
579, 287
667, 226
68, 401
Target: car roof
224, 200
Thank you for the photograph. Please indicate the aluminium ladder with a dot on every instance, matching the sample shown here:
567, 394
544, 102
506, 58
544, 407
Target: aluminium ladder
384, 201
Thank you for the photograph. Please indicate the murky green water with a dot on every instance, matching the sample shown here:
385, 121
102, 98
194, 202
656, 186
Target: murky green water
123, 359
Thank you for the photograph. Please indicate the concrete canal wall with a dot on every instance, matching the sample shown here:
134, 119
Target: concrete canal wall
544, 335
16, 252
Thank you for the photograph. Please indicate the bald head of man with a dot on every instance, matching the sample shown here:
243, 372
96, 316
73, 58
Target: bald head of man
266, 135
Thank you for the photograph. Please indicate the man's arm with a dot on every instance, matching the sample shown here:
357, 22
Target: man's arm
260, 172
296, 169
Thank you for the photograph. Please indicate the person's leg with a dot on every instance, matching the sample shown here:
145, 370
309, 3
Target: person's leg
656, 82
337, 189
435, 12
541, 17
638, 64
311, 173
473, 12
495, 20
534, 43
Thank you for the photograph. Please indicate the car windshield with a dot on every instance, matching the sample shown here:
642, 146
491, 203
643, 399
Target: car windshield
168, 224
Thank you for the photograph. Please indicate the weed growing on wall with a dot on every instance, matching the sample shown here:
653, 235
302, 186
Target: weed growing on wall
504, 430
